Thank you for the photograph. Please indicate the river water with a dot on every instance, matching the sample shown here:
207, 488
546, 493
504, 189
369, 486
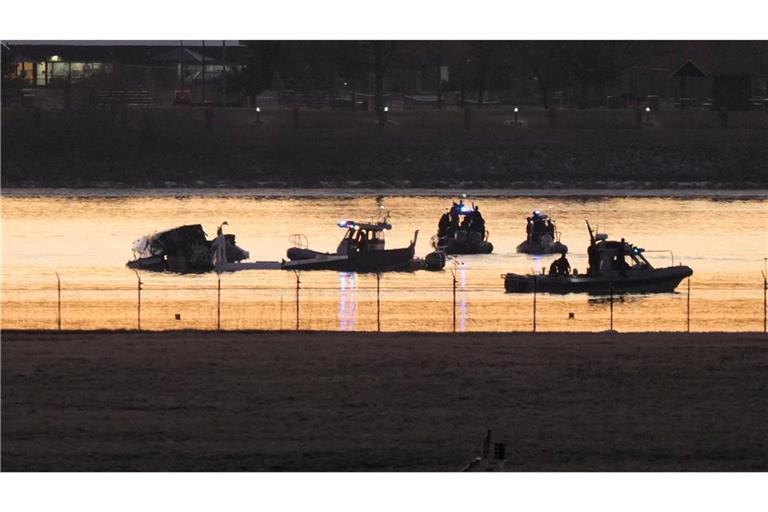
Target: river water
85, 237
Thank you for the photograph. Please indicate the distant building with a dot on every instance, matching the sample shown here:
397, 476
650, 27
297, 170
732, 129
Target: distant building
713, 74
42, 65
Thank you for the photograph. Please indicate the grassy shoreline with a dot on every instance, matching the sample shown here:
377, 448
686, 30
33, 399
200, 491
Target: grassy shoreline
327, 401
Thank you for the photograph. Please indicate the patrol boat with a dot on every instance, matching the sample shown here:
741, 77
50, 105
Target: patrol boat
609, 272
461, 230
543, 236
361, 250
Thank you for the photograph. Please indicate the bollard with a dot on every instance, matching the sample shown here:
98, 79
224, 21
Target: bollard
499, 451
218, 304
487, 444
58, 287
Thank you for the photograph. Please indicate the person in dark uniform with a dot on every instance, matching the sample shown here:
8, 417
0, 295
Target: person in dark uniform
478, 222
442, 225
620, 263
594, 260
560, 267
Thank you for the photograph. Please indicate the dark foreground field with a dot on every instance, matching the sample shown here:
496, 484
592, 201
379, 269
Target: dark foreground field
189, 401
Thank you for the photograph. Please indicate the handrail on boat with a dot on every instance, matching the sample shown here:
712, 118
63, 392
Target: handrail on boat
672, 255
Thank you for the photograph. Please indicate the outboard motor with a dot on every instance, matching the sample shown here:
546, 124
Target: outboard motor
434, 260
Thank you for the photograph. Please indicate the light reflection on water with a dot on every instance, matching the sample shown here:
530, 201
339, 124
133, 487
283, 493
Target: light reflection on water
87, 241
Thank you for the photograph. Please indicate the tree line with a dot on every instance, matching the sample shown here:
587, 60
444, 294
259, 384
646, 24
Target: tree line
475, 67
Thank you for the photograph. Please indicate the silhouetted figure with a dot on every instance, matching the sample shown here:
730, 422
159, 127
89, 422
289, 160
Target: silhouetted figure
620, 262
594, 260
550, 229
466, 222
478, 222
560, 267
453, 222
442, 225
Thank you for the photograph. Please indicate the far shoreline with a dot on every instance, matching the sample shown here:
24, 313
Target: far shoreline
683, 191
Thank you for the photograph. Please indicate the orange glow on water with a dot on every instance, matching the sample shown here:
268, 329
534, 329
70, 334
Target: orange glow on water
87, 240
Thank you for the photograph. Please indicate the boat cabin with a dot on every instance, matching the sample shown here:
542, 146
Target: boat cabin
607, 256
362, 237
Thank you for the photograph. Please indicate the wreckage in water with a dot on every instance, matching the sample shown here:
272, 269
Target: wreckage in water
185, 249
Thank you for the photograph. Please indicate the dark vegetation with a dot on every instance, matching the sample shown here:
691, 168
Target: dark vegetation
230, 148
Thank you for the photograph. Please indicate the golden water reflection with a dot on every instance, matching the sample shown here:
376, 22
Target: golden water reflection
86, 240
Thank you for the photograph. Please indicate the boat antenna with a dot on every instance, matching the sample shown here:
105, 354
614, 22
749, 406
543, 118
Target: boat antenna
591, 234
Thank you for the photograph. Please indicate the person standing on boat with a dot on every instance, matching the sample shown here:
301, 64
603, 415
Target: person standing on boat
560, 267
478, 222
594, 260
442, 226
621, 262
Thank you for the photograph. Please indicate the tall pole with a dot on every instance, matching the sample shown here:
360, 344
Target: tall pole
378, 301
281, 312
181, 64
224, 71
138, 302
218, 304
298, 286
58, 280
203, 66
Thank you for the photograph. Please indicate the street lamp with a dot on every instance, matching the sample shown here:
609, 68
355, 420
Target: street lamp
647, 115
516, 111
258, 114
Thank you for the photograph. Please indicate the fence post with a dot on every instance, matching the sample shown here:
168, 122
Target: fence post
765, 302
688, 307
298, 287
378, 301
611, 306
138, 303
453, 275
218, 303
534, 303
58, 287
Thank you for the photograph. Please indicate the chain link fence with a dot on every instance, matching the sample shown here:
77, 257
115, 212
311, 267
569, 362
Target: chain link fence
369, 302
